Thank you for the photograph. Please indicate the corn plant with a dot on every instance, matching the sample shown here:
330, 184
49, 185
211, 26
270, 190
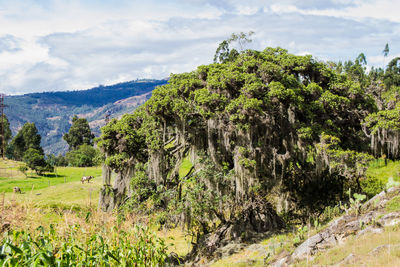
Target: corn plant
77, 248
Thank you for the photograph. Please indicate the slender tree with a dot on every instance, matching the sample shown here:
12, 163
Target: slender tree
361, 59
79, 133
225, 52
27, 137
385, 53
6, 133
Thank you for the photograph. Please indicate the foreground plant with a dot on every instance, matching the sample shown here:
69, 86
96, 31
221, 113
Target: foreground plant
78, 248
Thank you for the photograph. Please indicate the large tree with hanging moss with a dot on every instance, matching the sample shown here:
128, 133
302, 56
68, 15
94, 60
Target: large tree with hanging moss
265, 131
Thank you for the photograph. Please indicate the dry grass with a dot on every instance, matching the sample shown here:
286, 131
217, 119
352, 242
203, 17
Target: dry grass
25, 215
179, 240
9, 169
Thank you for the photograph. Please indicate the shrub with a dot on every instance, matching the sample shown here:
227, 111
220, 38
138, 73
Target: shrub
34, 159
84, 156
142, 189
372, 186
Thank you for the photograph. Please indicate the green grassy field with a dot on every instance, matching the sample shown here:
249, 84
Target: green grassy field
377, 168
185, 167
68, 202
61, 189
10, 177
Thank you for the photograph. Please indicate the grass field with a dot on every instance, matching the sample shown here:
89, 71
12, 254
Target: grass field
10, 177
62, 200
61, 189
377, 168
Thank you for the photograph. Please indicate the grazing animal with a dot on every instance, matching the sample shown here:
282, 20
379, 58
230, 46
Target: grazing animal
86, 179
16, 189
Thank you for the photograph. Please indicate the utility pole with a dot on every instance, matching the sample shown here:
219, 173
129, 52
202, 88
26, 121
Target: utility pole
3, 139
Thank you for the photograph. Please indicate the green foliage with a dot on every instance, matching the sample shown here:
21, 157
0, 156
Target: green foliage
34, 159
354, 202
124, 140
270, 119
142, 188
348, 163
59, 160
84, 156
225, 53
384, 128
392, 74
372, 186
385, 51
48, 248
199, 200
28, 137
392, 183
79, 133
301, 234
329, 213
384, 119
6, 133
393, 204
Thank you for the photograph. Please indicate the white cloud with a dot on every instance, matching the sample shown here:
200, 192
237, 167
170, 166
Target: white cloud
61, 45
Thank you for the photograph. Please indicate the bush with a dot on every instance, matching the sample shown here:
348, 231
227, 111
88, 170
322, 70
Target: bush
142, 189
34, 159
372, 186
84, 156
61, 161
329, 213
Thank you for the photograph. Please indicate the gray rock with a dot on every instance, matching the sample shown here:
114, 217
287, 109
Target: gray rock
390, 219
348, 260
370, 229
378, 250
229, 249
257, 248
283, 262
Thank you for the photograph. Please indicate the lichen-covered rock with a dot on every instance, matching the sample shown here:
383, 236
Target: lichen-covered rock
348, 225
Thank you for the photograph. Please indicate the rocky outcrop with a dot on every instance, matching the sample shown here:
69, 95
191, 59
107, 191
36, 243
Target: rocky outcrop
347, 225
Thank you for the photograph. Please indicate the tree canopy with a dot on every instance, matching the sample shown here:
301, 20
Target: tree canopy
6, 133
35, 160
79, 133
263, 124
26, 138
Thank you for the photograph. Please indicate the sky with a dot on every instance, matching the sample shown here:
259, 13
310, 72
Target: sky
55, 45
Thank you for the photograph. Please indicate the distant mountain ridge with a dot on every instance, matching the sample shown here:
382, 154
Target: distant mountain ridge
52, 111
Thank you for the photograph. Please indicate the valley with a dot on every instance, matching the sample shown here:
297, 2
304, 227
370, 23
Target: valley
52, 111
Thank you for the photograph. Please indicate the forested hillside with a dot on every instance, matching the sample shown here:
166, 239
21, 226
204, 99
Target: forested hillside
247, 144
52, 111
